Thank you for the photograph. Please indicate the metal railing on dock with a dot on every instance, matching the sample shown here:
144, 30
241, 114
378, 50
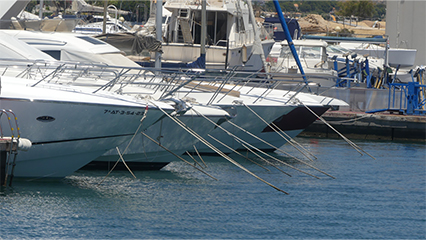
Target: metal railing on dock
407, 98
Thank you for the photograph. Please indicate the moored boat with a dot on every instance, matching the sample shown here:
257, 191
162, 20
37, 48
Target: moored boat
69, 128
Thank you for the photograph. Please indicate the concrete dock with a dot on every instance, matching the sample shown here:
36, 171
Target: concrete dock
377, 126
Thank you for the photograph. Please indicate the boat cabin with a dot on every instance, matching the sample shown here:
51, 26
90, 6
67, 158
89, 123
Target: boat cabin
226, 21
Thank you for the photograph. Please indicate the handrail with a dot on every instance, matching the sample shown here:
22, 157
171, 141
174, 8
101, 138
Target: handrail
9, 112
168, 81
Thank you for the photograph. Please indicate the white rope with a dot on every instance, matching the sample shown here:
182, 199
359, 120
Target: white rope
125, 164
195, 161
263, 141
356, 147
292, 140
202, 160
279, 132
217, 150
174, 154
251, 150
238, 153
242, 141
121, 158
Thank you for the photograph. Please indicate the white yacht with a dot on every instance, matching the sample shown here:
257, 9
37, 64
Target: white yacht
171, 136
94, 26
296, 120
242, 105
76, 47
72, 47
230, 34
270, 109
69, 128
287, 110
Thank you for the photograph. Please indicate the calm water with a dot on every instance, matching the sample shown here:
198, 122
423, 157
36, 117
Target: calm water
383, 198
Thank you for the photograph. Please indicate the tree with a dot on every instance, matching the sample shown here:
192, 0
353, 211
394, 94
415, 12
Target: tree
363, 9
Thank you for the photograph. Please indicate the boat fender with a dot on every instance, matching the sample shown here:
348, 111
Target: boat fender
244, 54
238, 102
24, 144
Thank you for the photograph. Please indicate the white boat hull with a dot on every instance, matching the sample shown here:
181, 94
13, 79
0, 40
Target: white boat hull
248, 121
290, 126
170, 135
274, 139
66, 135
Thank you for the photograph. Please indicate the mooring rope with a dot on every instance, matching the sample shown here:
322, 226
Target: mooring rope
125, 150
293, 141
124, 162
195, 161
288, 165
263, 141
251, 150
192, 132
238, 153
356, 147
174, 154
242, 141
202, 160
277, 130
280, 150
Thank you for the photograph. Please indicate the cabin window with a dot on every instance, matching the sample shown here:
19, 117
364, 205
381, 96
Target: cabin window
221, 27
309, 52
91, 40
216, 27
240, 24
56, 54
165, 18
278, 27
184, 13
305, 52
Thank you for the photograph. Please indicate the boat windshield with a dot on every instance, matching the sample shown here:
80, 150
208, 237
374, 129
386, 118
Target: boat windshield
336, 49
306, 52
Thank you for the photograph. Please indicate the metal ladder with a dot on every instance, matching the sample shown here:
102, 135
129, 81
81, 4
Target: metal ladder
8, 147
185, 26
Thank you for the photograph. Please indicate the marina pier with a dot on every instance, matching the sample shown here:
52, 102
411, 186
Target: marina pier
368, 126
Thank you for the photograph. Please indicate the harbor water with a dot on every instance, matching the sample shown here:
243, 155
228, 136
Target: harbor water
382, 198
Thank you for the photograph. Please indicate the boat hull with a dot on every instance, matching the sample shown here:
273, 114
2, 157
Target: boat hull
292, 124
66, 135
246, 120
170, 135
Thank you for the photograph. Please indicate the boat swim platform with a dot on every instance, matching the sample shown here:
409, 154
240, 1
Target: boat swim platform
378, 126
10, 146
